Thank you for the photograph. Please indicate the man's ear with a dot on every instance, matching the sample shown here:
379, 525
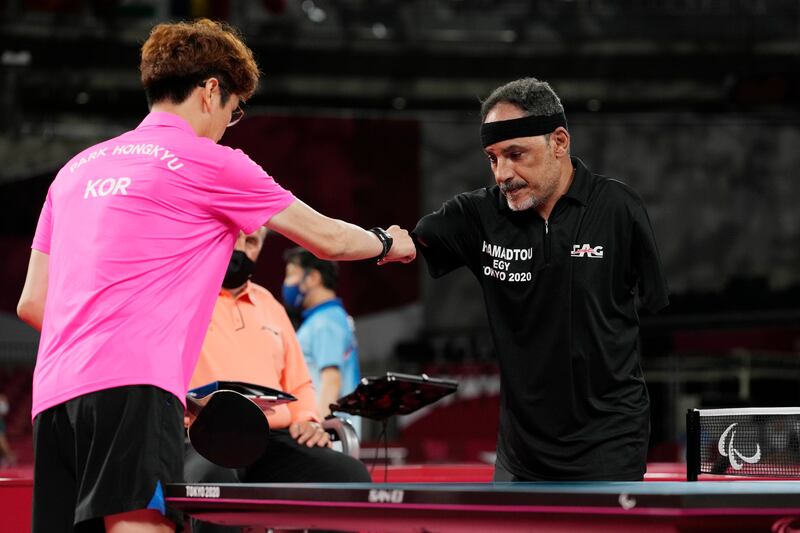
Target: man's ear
205, 99
560, 140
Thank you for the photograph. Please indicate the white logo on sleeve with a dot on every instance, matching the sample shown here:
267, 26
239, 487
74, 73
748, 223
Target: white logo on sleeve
732, 453
104, 187
587, 250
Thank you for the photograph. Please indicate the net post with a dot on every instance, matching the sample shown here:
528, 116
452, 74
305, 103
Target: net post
692, 444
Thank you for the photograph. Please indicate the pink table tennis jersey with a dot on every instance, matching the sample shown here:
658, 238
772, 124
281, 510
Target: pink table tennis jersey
139, 230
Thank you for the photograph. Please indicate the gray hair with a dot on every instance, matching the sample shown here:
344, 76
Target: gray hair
534, 97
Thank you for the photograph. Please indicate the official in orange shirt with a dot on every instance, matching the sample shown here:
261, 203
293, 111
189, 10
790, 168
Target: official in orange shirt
250, 338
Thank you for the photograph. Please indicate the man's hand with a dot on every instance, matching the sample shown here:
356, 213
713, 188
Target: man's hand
310, 433
403, 248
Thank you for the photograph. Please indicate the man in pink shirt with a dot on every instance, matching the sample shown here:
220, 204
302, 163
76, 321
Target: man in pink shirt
128, 257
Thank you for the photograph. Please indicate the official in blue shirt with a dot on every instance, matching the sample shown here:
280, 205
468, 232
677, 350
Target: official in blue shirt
326, 333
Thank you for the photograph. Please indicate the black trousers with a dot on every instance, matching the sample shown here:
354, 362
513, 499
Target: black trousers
284, 461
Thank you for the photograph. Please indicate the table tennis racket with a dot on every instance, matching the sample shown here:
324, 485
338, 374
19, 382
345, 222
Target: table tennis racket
227, 428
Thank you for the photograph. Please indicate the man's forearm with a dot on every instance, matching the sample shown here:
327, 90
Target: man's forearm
352, 242
333, 239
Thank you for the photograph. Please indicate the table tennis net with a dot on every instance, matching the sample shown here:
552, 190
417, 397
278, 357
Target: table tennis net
757, 442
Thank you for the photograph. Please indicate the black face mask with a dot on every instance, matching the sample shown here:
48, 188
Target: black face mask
240, 269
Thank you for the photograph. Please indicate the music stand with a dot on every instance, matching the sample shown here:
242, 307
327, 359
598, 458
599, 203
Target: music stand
380, 397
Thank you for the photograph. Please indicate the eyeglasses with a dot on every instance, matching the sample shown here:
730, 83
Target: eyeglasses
237, 114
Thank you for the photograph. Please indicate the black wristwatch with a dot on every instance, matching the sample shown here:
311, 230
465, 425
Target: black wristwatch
386, 241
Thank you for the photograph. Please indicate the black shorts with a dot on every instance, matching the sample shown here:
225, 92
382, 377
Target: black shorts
105, 453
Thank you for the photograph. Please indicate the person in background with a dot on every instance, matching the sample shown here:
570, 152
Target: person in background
251, 339
7, 456
326, 332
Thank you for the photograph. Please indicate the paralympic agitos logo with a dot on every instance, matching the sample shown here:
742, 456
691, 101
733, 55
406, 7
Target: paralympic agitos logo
733, 455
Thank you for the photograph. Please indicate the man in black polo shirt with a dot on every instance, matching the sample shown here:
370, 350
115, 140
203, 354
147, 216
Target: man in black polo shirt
564, 257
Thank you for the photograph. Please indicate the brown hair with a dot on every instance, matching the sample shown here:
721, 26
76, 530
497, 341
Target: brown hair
176, 57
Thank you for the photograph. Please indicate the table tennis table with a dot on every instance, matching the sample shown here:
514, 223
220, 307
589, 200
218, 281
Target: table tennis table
772, 506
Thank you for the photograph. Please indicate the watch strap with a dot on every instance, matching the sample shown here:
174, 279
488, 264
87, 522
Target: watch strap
386, 241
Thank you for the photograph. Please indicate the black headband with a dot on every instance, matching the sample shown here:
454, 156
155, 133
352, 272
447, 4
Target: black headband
530, 126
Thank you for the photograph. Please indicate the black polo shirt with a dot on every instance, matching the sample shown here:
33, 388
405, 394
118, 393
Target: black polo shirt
561, 300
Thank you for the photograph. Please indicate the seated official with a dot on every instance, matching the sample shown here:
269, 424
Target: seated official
250, 338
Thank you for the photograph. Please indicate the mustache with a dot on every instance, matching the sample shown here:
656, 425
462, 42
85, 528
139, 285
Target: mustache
511, 186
